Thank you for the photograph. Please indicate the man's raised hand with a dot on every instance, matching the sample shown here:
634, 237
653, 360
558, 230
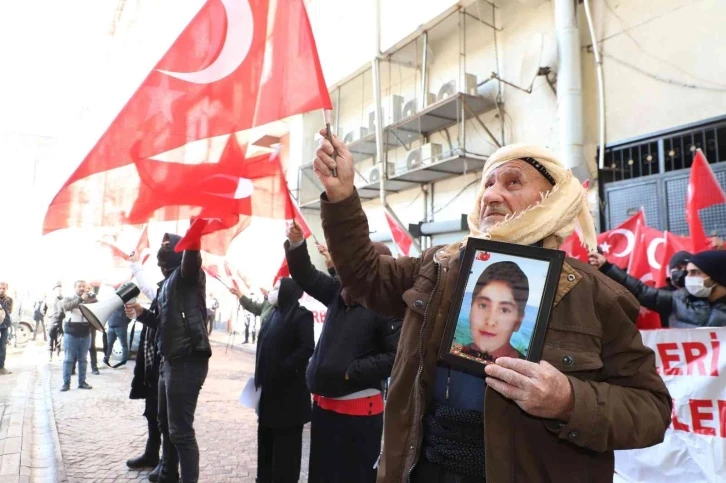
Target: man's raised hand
340, 187
294, 232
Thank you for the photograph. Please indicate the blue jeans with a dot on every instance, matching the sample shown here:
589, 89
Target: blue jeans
121, 333
76, 349
3, 344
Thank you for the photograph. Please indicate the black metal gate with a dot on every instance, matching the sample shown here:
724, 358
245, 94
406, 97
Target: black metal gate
663, 198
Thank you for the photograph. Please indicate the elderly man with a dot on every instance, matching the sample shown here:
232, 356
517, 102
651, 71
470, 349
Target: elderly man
596, 388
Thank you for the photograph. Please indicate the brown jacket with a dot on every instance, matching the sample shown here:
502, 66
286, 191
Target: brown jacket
620, 401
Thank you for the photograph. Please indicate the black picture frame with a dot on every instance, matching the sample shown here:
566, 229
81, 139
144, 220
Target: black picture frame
469, 358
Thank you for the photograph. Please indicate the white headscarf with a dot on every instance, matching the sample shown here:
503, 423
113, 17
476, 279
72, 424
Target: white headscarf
558, 213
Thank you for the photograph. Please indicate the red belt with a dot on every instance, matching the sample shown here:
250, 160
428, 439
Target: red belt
364, 406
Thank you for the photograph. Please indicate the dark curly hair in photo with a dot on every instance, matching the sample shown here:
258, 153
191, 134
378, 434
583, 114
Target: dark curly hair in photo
510, 274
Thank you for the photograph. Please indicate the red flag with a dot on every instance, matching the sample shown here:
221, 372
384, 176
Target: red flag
671, 245
121, 250
212, 234
284, 271
143, 245
647, 253
234, 185
223, 271
704, 190
300, 220
224, 73
617, 245
574, 248
648, 320
401, 238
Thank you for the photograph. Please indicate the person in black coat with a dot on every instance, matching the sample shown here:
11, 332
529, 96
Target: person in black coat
178, 314
352, 360
285, 344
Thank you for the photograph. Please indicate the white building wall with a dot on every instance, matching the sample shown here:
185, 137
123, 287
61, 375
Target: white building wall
665, 42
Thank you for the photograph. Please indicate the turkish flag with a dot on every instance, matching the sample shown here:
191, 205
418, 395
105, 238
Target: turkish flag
671, 245
222, 270
121, 250
574, 248
648, 320
617, 245
401, 238
213, 234
283, 271
234, 185
704, 190
300, 220
225, 73
645, 262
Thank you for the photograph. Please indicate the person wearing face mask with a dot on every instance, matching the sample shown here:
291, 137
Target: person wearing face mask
178, 314
352, 359
699, 302
284, 346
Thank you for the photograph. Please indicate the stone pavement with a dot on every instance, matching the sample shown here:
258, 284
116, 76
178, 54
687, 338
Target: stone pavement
100, 429
29, 447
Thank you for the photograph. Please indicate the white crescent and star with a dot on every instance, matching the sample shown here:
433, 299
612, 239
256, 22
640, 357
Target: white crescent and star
237, 44
631, 242
244, 188
652, 247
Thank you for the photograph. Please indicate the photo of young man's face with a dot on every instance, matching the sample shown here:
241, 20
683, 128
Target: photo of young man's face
494, 316
499, 308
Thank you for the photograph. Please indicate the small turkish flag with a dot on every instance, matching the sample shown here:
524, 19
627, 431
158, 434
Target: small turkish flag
574, 248
283, 271
401, 238
483, 256
617, 245
704, 190
671, 245
645, 261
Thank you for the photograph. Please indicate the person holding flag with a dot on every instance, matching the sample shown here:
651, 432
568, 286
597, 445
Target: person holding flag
353, 358
178, 314
701, 302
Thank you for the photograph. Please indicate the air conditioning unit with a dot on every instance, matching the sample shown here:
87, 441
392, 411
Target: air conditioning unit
355, 135
426, 154
412, 106
449, 89
374, 174
391, 108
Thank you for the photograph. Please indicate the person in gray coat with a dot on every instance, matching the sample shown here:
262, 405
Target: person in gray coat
701, 303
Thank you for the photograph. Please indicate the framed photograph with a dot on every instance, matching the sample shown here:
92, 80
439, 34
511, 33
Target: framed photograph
502, 304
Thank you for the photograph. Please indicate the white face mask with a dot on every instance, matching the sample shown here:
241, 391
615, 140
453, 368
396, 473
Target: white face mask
272, 296
696, 287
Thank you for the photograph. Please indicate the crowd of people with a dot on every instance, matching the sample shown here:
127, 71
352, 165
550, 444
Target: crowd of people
385, 321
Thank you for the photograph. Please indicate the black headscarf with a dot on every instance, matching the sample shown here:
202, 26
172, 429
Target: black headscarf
168, 259
288, 296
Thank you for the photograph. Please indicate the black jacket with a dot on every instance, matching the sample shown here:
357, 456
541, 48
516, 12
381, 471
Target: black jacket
678, 309
354, 339
179, 311
285, 344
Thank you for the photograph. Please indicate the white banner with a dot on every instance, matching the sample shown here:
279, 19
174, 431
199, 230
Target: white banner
319, 311
692, 363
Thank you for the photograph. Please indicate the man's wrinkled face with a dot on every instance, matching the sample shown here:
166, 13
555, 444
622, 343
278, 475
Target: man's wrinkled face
3, 289
511, 188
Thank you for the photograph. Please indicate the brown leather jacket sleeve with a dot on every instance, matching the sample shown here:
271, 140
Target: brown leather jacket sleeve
632, 407
376, 279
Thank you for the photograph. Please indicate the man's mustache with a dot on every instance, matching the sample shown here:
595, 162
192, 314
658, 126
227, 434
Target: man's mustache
497, 210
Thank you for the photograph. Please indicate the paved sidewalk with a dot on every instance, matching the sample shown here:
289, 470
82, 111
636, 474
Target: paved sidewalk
100, 429
29, 446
